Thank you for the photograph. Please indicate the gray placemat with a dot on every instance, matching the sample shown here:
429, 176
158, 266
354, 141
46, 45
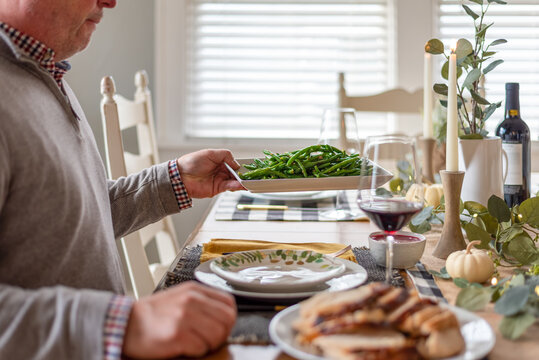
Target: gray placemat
252, 327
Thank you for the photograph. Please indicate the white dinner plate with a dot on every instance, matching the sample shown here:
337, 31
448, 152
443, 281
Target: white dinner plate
477, 333
276, 269
353, 276
310, 184
293, 195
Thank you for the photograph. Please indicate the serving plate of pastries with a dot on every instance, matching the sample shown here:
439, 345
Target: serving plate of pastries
378, 321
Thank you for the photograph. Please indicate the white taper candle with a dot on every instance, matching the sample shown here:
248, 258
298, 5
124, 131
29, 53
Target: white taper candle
427, 97
451, 160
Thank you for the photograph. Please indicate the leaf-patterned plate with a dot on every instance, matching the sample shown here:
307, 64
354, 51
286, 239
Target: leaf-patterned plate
276, 270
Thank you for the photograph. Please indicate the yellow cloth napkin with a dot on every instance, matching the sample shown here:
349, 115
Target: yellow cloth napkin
216, 247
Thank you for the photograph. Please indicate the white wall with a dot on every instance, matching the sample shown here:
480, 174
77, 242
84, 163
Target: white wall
122, 44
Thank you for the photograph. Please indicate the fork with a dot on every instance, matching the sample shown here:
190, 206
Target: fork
340, 252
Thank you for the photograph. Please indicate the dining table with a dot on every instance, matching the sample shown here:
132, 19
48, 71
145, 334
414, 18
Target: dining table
220, 223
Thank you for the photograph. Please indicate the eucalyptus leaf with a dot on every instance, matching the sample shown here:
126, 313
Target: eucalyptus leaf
492, 65
498, 42
472, 77
423, 215
464, 48
475, 207
489, 53
518, 280
481, 33
440, 89
478, 98
445, 70
522, 248
529, 209
473, 298
459, 72
396, 185
477, 221
421, 228
443, 274
463, 62
461, 282
489, 110
404, 166
510, 233
490, 222
434, 46
480, 2
513, 300
496, 1
478, 112
474, 232
383, 192
470, 12
499, 209
512, 327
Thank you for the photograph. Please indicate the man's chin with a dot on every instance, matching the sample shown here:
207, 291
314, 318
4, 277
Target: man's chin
72, 50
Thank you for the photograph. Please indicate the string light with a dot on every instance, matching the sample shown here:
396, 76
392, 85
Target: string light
494, 281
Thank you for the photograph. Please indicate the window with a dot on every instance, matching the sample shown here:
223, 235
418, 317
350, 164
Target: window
518, 22
267, 69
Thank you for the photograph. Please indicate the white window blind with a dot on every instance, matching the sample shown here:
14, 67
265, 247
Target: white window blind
518, 23
268, 68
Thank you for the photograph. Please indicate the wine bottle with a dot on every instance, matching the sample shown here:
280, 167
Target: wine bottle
515, 135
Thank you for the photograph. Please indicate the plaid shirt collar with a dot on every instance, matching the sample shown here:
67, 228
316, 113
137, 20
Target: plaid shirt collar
38, 52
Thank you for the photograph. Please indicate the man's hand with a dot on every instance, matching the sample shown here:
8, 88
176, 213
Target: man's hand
188, 319
205, 175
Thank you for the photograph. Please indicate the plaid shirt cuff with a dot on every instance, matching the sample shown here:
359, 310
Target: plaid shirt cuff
115, 325
183, 199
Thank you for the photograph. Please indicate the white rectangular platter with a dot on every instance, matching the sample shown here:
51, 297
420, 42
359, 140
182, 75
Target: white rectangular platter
310, 184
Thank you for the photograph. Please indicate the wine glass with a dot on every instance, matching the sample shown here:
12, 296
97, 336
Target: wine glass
339, 129
390, 167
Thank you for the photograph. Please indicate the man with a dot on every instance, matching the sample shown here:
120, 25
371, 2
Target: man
60, 279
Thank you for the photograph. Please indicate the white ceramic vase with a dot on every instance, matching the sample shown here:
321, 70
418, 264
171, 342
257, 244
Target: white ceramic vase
482, 162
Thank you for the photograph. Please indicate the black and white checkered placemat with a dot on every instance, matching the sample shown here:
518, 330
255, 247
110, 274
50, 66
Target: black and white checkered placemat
424, 283
305, 209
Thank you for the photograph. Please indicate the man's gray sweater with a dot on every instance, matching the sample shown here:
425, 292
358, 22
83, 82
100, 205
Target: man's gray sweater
59, 218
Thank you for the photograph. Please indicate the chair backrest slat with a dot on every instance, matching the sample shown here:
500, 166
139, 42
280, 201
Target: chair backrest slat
391, 101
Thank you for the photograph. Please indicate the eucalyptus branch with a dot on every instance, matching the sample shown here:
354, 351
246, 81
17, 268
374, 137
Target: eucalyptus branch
471, 58
461, 96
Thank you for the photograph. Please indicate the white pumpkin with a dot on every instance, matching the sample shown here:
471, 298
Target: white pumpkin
473, 265
432, 194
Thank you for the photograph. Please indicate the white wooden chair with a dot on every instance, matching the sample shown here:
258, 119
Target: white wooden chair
118, 114
391, 101
398, 101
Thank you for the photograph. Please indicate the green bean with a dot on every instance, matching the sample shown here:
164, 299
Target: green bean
321, 160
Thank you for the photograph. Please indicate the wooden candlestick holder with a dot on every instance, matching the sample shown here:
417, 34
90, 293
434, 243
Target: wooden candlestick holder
427, 148
451, 239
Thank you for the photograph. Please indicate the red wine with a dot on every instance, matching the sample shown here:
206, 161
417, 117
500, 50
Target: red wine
515, 135
388, 214
397, 238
